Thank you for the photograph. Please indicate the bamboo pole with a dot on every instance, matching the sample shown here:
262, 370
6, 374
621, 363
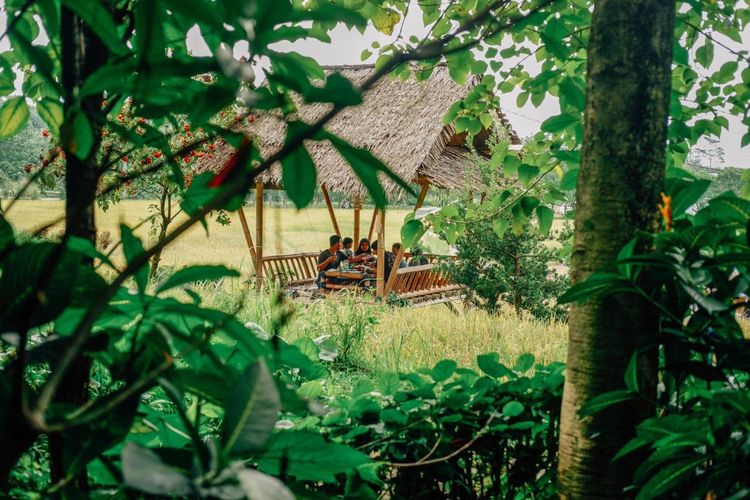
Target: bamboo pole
248, 236
331, 213
400, 254
259, 234
380, 288
422, 195
357, 209
372, 224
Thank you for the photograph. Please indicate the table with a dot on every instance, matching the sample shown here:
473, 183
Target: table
356, 278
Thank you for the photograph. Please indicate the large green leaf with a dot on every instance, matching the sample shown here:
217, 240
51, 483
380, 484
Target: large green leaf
607, 400
298, 170
257, 485
196, 273
51, 111
670, 476
251, 410
100, 22
546, 216
308, 457
558, 123
14, 113
490, 365
144, 470
132, 247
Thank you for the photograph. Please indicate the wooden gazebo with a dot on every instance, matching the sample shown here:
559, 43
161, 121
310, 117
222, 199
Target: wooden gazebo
401, 123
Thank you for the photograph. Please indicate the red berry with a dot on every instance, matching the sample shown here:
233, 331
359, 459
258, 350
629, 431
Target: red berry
187, 128
45, 133
27, 168
251, 118
124, 159
157, 154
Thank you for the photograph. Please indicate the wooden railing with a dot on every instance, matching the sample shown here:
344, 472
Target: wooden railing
418, 281
292, 269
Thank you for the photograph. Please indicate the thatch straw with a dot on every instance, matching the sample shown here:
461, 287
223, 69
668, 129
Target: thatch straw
400, 122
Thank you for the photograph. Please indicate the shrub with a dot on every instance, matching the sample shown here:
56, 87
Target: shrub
513, 269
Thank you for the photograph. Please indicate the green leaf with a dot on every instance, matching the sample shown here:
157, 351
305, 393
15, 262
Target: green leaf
726, 72
100, 22
499, 226
524, 362
705, 54
196, 273
569, 180
7, 81
132, 247
490, 365
669, 476
13, 116
558, 123
607, 400
546, 216
83, 136
262, 486
526, 173
631, 373
251, 411
572, 91
143, 470
7, 239
411, 232
367, 166
513, 409
298, 170
590, 287
51, 111
443, 370
308, 457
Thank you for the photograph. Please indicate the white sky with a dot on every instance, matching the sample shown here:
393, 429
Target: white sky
347, 46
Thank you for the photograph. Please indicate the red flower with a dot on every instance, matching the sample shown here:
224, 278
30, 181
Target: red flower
157, 154
147, 160
212, 146
141, 120
124, 159
188, 180
104, 104
251, 119
45, 133
187, 128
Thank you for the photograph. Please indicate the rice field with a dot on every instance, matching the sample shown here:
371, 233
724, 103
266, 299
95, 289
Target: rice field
286, 230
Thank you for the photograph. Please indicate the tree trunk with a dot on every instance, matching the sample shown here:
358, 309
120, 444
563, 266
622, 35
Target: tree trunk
621, 175
165, 212
81, 55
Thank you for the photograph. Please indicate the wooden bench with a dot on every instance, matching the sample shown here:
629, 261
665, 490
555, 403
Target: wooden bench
292, 270
424, 285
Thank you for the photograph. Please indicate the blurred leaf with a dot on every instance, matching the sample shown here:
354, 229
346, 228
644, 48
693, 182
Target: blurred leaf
546, 216
196, 273
513, 409
298, 170
490, 365
143, 470
51, 111
13, 116
524, 362
262, 486
132, 247
100, 22
559, 123
608, 399
411, 232
251, 410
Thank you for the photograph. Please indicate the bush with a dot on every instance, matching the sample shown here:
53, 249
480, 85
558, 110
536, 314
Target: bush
513, 269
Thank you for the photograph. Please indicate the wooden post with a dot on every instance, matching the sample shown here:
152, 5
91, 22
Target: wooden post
259, 235
357, 203
422, 195
400, 254
372, 224
380, 289
394, 271
336, 229
248, 236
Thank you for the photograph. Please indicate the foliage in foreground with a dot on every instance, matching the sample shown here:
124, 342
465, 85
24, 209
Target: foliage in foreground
699, 444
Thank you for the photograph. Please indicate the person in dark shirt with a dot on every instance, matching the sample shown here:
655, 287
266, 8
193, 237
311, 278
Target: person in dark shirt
330, 258
389, 258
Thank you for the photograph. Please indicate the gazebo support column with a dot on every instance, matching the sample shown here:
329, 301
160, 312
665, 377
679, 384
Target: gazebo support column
357, 204
258, 235
422, 196
248, 236
380, 289
331, 213
400, 254
372, 224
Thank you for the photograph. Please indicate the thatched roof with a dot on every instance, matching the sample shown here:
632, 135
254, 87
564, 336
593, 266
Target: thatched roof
400, 122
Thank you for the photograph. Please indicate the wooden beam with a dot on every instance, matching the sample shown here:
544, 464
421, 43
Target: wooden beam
422, 195
259, 235
331, 213
357, 209
380, 287
372, 224
248, 236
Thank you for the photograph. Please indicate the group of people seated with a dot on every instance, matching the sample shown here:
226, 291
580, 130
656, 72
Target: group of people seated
341, 255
